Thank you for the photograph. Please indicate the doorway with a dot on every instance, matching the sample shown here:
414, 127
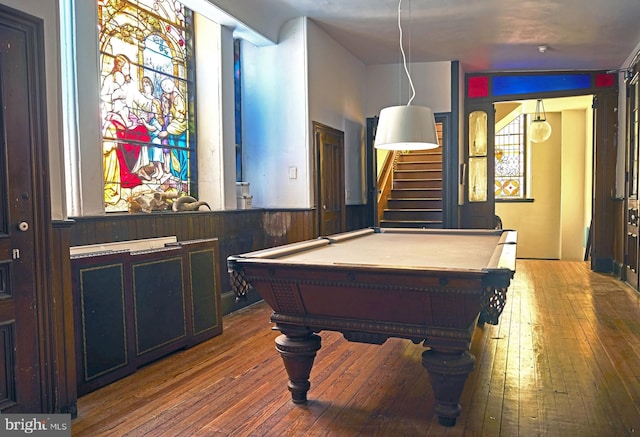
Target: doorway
551, 210
483, 90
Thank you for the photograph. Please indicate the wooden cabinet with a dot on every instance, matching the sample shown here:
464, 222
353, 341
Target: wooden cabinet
133, 307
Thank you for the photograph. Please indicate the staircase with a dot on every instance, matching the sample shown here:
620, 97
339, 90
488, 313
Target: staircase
415, 200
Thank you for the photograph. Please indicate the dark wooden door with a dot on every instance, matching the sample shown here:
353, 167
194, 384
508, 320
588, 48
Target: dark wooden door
371, 173
20, 219
631, 192
603, 219
329, 144
478, 211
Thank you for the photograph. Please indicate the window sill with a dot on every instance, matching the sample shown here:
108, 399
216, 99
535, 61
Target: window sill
527, 200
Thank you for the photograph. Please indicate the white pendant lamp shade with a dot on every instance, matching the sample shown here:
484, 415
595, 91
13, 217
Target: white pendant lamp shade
406, 128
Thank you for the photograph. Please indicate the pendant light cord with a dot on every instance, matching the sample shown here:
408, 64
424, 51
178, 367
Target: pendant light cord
404, 58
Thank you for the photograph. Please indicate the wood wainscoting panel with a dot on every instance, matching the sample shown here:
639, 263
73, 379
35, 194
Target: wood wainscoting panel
7, 370
238, 231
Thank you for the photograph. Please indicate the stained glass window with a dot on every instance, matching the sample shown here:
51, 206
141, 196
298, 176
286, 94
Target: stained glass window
519, 84
510, 160
147, 103
237, 89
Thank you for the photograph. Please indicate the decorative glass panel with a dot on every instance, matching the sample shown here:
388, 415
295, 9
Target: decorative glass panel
510, 160
605, 80
478, 133
521, 84
478, 179
147, 106
478, 86
237, 88
478, 156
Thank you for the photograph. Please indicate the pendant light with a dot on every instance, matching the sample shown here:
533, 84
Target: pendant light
406, 127
539, 129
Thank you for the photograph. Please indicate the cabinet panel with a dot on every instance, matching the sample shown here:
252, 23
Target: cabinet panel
135, 307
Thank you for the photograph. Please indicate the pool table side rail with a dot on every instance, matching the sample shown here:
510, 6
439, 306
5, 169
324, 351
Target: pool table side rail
504, 255
293, 248
449, 300
245, 273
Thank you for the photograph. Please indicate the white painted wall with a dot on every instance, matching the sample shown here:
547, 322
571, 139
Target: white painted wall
573, 177
254, 21
387, 85
588, 170
309, 77
336, 98
275, 120
215, 115
538, 222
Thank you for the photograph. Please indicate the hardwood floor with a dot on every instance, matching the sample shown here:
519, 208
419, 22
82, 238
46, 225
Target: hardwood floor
563, 361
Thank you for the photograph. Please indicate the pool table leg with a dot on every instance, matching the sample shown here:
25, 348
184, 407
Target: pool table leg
448, 372
298, 348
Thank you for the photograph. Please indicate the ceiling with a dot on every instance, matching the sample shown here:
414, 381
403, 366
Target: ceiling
484, 35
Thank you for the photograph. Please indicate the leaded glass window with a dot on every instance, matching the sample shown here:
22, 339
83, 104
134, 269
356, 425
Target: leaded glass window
147, 100
510, 160
478, 156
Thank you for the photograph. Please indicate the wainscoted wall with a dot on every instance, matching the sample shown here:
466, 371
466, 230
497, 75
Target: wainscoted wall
238, 231
59, 379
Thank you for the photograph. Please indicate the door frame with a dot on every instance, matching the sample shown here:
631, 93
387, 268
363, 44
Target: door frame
630, 269
449, 171
604, 88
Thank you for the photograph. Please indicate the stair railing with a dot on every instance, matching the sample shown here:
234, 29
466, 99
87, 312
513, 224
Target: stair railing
385, 181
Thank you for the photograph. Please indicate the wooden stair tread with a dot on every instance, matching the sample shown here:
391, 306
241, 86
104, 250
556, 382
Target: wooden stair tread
401, 199
417, 180
411, 221
417, 177
413, 209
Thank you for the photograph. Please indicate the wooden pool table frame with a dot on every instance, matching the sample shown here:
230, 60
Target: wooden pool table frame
439, 307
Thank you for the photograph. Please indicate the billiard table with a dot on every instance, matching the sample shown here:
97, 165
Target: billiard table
427, 286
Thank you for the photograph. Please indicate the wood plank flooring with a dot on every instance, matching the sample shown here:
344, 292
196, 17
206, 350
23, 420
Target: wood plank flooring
563, 361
